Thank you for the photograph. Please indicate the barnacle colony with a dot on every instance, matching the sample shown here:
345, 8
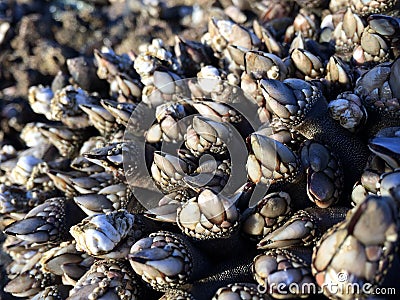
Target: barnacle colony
211, 168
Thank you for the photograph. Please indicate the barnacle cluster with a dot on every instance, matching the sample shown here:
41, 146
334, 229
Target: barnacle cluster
212, 150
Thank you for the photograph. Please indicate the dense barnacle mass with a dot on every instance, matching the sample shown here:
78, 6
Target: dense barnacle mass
199, 150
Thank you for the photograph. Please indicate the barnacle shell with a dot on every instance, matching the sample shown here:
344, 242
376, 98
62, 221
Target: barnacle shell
108, 235
208, 216
106, 279
366, 238
162, 259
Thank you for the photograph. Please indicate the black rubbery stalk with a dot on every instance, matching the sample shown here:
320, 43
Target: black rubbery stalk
353, 153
